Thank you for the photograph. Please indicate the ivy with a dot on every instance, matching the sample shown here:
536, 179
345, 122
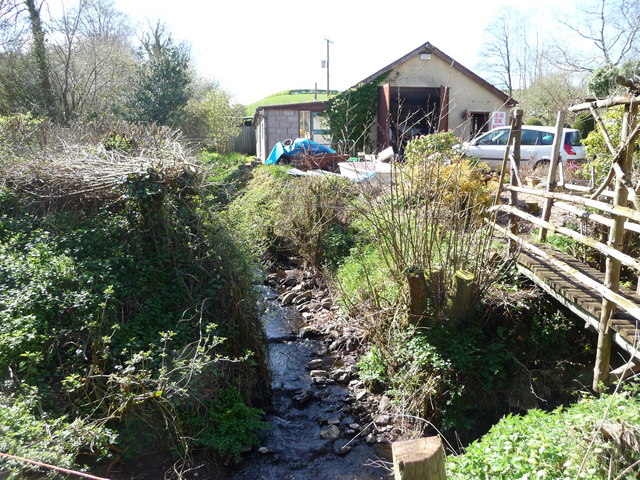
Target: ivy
352, 113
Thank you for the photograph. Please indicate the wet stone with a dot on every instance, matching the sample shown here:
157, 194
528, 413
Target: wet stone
333, 421
287, 298
370, 439
264, 450
315, 364
341, 448
318, 373
330, 433
310, 332
302, 297
303, 398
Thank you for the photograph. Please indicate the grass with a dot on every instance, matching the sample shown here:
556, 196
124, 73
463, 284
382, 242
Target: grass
285, 97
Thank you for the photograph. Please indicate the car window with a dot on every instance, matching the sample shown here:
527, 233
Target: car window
546, 138
499, 137
529, 137
572, 138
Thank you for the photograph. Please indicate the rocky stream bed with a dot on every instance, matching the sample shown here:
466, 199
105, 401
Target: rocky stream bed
326, 425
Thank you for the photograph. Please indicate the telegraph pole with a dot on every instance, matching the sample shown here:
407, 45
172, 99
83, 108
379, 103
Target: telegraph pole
328, 42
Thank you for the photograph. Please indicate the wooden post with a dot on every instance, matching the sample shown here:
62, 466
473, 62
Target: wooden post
612, 274
551, 178
417, 294
516, 128
462, 295
419, 459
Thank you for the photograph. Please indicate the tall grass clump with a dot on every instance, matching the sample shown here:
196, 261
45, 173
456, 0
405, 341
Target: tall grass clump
283, 216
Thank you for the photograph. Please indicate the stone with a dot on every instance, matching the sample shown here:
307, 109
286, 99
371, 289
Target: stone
354, 426
310, 332
318, 373
304, 309
341, 376
383, 420
341, 447
302, 297
361, 394
315, 364
264, 450
287, 298
336, 344
384, 403
355, 384
370, 439
306, 315
333, 421
303, 398
330, 433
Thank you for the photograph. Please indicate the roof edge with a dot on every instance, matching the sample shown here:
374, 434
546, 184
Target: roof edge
446, 58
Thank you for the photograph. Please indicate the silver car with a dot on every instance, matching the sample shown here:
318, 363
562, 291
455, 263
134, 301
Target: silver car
536, 144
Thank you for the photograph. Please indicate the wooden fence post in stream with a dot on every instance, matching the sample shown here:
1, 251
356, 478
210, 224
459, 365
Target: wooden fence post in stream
419, 459
612, 273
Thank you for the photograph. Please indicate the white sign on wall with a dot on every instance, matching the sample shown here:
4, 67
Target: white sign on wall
498, 119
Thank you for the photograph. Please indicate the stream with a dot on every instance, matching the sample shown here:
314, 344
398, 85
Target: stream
313, 436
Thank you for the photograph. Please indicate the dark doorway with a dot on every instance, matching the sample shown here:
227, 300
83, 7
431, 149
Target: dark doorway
412, 111
479, 122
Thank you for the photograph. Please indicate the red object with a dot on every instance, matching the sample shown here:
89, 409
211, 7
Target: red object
569, 149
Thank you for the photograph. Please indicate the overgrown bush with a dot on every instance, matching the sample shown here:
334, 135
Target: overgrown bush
592, 440
598, 154
124, 321
303, 216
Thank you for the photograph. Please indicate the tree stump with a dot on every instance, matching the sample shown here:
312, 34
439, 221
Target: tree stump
418, 295
419, 459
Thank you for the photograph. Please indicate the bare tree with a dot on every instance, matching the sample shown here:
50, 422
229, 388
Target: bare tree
512, 54
92, 58
610, 32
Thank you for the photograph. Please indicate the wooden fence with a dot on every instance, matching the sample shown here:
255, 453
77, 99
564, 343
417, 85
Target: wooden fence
614, 207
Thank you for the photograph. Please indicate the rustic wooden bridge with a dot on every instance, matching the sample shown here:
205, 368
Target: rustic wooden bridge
609, 221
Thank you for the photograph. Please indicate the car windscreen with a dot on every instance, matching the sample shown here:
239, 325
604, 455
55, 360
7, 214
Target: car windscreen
572, 138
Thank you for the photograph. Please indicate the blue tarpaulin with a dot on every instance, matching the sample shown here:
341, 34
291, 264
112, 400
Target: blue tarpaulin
300, 145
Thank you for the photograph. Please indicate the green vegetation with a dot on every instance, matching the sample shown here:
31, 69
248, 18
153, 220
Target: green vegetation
592, 439
288, 96
128, 320
351, 114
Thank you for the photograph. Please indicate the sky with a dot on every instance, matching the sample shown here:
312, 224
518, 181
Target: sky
257, 48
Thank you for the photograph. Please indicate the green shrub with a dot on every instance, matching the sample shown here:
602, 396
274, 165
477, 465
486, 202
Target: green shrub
126, 317
563, 444
364, 282
27, 432
228, 425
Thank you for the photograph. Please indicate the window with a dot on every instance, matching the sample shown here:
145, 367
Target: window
499, 137
547, 138
529, 137
573, 139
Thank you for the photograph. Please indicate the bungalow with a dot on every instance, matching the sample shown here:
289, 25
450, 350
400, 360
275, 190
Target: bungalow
424, 91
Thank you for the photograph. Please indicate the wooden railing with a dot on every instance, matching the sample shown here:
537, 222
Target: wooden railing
614, 205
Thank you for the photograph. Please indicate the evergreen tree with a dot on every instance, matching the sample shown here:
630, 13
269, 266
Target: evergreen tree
161, 85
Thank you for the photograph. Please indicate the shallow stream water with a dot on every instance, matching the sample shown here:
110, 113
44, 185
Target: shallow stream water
294, 449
